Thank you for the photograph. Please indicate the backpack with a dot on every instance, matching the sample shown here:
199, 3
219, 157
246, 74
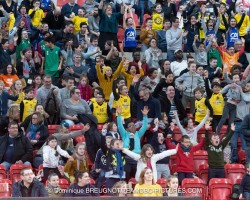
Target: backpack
52, 108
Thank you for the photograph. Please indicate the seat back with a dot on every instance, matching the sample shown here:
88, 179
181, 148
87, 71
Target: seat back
220, 188
200, 157
64, 184
203, 172
194, 187
234, 172
15, 171
5, 188
76, 127
162, 182
52, 129
3, 173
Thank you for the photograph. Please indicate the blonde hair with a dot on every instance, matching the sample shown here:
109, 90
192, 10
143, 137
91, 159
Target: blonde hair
117, 186
142, 174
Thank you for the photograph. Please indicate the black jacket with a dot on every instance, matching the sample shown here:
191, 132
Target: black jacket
245, 128
22, 148
38, 189
166, 106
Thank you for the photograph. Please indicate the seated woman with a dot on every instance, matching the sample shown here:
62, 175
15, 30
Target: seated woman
79, 162
82, 187
147, 186
73, 106
53, 187
36, 131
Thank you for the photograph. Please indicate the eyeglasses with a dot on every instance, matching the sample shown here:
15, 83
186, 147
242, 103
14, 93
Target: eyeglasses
84, 27
77, 93
30, 174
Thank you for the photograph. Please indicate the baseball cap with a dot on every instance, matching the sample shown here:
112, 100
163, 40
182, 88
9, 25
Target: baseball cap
178, 50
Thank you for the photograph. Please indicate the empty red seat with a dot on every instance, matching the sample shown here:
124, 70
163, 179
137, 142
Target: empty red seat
15, 171
5, 188
2, 172
79, 139
203, 172
242, 156
194, 187
220, 189
76, 127
200, 157
162, 182
234, 172
52, 128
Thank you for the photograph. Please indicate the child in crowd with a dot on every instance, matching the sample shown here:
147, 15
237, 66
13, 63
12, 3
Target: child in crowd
28, 105
37, 83
110, 129
147, 158
77, 163
201, 105
51, 155
157, 17
201, 51
101, 164
212, 69
172, 183
186, 83
100, 109
245, 192
120, 189
215, 152
85, 88
151, 80
184, 156
77, 20
189, 128
130, 31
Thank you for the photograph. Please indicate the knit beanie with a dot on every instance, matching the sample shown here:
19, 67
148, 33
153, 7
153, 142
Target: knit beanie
106, 68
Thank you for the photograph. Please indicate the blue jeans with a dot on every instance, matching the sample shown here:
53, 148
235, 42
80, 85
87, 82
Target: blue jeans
170, 55
8, 165
234, 142
247, 195
142, 7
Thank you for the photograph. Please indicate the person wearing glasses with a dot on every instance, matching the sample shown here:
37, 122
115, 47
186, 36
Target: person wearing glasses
28, 186
15, 148
73, 106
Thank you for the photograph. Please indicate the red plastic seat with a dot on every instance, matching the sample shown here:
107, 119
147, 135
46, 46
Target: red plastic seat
203, 172
220, 189
52, 128
162, 182
76, 127
234, 172
3, 173
194, 187
242, 156
15, 171
5, 188
79, 139
200, 157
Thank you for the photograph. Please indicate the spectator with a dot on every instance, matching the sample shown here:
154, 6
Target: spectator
147, 186
54, 19
15, 147
108, 19
180, 64
43, 91
8, 76
73, 106
53, 187
90, 6
174, 38
78, 19
28, 186
120, 189
136, 58
85, 88
82, 187
172, 183
153, 54
64, 93
36, 14
37, 132
161, 36
245, 128
93, 19
70, 8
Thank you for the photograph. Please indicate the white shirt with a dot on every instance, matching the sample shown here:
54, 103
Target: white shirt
177, 67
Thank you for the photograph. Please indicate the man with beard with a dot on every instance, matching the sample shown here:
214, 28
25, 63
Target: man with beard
178, 65
94, 22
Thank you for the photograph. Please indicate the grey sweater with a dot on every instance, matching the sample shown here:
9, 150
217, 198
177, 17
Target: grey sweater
201, 56
243, 108
232, 93
67, 108
190, 82
93, 23
173, 42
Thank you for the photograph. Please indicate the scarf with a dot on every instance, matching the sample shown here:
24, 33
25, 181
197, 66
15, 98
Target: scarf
185, 149
120, 166
80, 159
33, 130
85, 92
149, 165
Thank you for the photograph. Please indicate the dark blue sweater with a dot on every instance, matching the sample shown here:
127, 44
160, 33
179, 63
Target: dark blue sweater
245, 183
4, 102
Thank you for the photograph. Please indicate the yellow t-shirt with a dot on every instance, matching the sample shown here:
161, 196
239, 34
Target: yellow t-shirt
29, 107
201, 109
147, 191
217, 103
11, 22
124, 102
37, 18
100, 112
157, 21
245, 24
77, 21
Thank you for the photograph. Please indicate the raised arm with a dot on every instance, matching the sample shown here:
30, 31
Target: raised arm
183, 131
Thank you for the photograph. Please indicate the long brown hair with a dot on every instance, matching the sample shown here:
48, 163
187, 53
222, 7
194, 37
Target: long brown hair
142, 174
143, 152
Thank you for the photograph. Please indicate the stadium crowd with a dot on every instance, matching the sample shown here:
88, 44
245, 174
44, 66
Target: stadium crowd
107, 93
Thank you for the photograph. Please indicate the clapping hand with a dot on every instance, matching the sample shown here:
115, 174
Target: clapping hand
145, 110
